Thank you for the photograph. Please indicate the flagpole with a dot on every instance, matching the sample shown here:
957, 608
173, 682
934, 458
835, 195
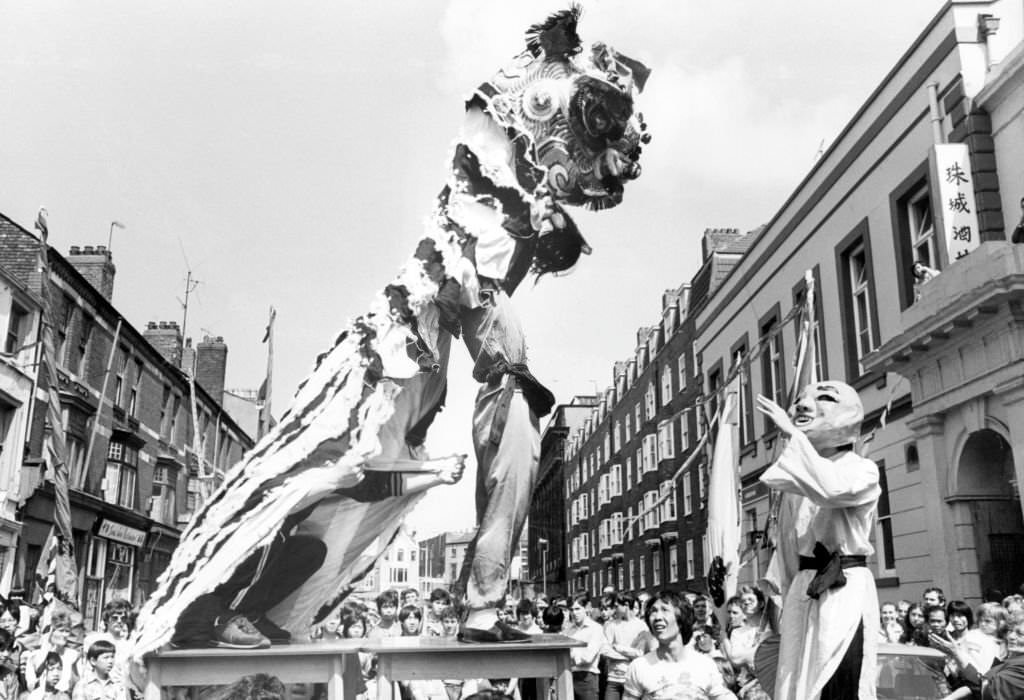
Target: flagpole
110, 236
61, 562
265, 417
103, 394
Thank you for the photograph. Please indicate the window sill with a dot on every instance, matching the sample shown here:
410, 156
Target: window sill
887, 582
749, 450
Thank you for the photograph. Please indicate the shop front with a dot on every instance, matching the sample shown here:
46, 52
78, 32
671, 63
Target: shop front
111, 568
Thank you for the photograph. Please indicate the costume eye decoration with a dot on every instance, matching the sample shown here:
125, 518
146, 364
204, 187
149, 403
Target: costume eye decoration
540, 101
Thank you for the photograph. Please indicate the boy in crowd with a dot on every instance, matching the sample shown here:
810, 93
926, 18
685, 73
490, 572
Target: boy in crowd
410, 596
50, 676
387, 608
526, 617
98, 684
439, 600
410, 619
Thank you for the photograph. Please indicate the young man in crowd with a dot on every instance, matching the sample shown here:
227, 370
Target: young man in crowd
933, 596
675, 670
583, 628
626, 638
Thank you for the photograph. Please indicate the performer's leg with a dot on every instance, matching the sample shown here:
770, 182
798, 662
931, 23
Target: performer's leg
265, 578
195, 627
843, 685
507, 459
288, 563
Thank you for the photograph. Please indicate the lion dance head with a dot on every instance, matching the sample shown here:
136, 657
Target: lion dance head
573, 112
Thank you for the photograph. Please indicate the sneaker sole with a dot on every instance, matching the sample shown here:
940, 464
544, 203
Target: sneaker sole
229, 645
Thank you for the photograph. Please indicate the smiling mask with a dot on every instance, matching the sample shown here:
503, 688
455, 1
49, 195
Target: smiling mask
829, 414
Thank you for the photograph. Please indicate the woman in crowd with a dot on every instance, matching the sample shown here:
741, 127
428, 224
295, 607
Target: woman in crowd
913, 622
985, 642
961, 619
741, 638
890, 629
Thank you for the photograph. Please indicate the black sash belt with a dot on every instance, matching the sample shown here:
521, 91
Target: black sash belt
829, 569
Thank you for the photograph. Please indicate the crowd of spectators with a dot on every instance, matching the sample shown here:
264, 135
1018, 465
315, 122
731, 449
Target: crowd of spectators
45, 653
983, 645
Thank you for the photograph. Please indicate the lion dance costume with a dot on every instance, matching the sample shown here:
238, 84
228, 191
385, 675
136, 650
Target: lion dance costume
556, 127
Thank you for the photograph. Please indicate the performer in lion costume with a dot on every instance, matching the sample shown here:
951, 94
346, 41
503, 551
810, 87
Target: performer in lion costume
307, 512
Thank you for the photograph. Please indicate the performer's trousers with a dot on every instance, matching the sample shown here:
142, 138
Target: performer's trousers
507, 440
262, 581
506, 437
843, 683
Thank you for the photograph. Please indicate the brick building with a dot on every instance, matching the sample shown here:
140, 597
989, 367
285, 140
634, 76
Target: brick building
929, 170
20, 309
635, 508
132, 454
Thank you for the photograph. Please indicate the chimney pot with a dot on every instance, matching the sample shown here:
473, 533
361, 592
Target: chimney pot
75, 250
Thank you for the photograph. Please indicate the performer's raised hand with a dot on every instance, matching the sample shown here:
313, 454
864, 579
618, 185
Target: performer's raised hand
451, 473
777, 414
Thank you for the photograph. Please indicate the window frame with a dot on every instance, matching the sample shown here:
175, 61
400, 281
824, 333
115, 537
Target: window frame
885, 547
858, 240
746, 394
899, 199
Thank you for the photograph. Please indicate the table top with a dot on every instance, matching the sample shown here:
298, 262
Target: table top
387, 645
413, 645
325, 648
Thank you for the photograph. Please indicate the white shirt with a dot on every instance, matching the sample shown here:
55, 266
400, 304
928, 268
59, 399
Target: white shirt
586, 658
694, 677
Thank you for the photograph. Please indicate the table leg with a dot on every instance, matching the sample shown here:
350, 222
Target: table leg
336, 684
543, 689
153, 681
563, 679
385, 688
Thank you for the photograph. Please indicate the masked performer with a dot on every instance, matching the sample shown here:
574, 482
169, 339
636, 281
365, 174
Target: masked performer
830, 610
555, 127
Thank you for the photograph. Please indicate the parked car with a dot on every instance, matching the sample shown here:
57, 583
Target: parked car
904, 672
910, 673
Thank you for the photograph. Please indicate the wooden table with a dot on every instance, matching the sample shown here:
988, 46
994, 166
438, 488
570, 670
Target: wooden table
334, 662
543, 656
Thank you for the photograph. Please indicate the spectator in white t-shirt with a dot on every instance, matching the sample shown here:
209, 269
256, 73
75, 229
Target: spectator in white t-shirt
675, 670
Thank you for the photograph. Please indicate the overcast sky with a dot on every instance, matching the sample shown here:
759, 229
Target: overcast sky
288, 153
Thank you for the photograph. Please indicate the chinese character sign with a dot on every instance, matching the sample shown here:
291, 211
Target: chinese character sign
957, 214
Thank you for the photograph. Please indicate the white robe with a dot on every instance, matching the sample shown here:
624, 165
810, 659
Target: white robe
840, 512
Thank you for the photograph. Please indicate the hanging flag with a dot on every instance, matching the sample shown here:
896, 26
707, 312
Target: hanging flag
270, 325
60, 561
723, 528
263, 396
806, 362
786, 507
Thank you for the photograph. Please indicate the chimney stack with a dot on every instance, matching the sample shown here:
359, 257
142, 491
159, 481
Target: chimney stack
96, 265
165, 336
211, 366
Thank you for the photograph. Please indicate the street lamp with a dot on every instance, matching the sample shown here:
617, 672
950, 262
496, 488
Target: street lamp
543, 544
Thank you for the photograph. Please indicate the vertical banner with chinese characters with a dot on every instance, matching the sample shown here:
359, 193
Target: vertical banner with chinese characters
955, 211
